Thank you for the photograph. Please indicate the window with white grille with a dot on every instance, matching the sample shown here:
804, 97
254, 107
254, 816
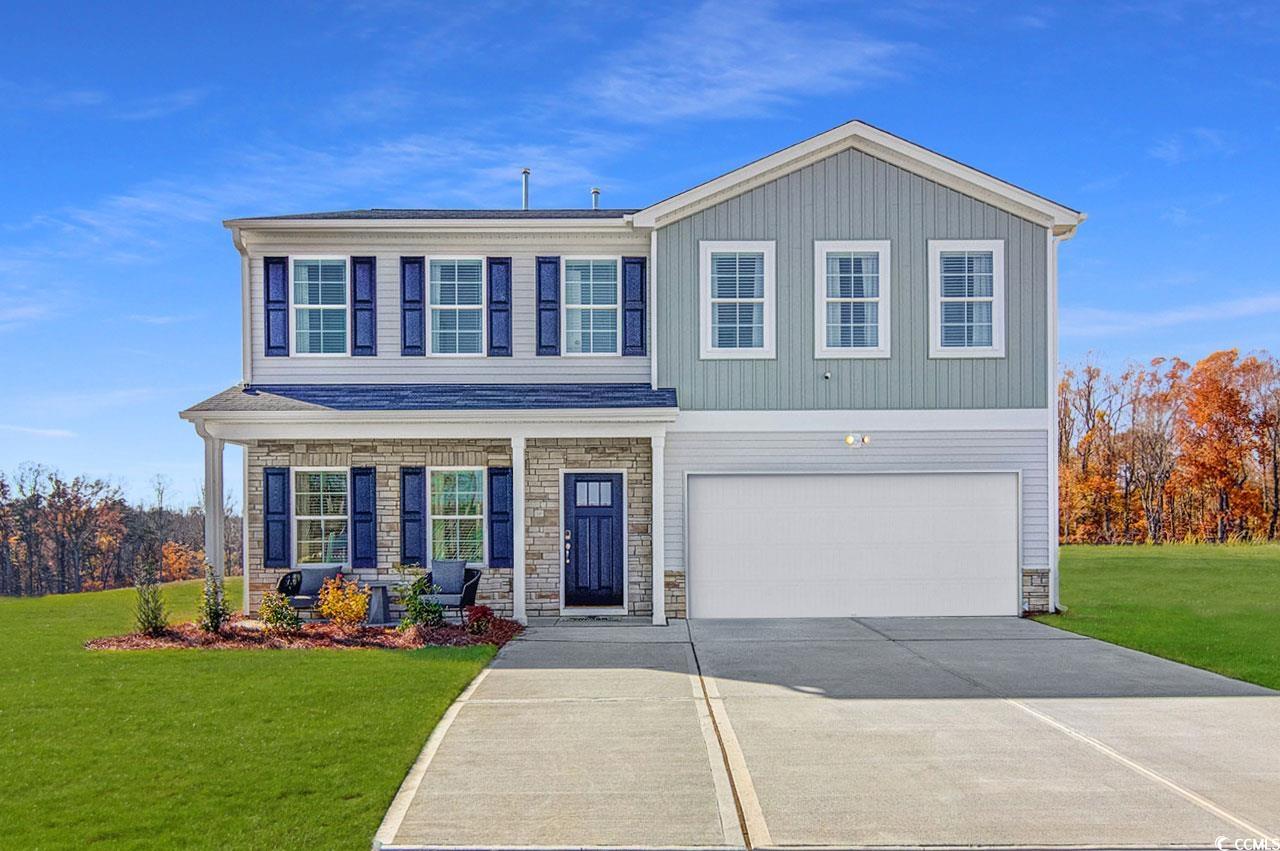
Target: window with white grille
851, 299
966, 298
591, 306
457, 306
320, 517
320, 306
737, 299
457, 514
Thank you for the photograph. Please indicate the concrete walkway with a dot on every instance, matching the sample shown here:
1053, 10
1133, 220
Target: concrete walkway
839, 732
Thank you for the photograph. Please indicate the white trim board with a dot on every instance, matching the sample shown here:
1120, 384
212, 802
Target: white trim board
879, 247
979, 419
878, 143
707, 350
936, 247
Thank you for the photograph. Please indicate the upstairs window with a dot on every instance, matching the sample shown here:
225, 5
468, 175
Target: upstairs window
457, 306
737, 299
966, 298
591, 306
457, 514
851, 299
320, 306
320, 517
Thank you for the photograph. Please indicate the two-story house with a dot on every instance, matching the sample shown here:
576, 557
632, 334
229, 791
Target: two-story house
818, 385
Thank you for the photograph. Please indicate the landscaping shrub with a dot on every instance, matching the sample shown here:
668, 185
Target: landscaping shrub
212, 612
278, 617
479, 619
343, 602
149, 609
417, 612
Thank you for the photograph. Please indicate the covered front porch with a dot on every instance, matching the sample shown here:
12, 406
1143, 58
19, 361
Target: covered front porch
562, 507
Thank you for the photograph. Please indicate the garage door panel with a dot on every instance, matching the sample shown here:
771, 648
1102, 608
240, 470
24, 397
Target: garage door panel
841, 545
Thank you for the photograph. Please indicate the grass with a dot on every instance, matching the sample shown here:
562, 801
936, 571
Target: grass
203, 749
1214, 607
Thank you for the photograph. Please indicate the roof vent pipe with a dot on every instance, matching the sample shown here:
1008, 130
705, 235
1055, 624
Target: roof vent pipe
524, 189
595, 197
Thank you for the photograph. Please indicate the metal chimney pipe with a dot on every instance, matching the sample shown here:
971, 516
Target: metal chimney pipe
524, 189
595, 197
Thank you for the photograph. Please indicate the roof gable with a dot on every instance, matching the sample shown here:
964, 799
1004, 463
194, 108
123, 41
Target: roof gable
875, 142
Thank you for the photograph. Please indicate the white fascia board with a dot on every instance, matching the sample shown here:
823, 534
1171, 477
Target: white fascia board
620, 225
282, 425
239, 431
878, 143
984, 419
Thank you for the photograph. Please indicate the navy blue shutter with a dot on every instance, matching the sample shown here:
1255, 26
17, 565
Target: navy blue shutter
548, 305
364, 297
499, 307
634, 287
275, 291
413, 302
275, 517
501, 518
364, 521
413, 515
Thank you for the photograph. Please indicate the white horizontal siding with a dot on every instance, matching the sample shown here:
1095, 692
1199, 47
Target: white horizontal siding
892, 451
388, 367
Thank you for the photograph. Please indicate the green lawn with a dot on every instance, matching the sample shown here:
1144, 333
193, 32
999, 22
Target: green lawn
1215, 607
203, 749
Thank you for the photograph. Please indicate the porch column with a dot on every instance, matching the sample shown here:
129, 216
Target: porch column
215, 549
517, 526
658, 535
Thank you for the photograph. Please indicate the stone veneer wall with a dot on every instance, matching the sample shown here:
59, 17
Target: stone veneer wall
544, 461
387, 456
676, 604
1035, 590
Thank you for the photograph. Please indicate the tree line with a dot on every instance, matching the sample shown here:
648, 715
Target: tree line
1171, 451
59, 535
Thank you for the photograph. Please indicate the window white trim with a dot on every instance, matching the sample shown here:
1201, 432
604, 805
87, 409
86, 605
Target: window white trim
294, 517
706, 350
564, 307
483, 516
821, 248
483, 306
294, 307
997, 347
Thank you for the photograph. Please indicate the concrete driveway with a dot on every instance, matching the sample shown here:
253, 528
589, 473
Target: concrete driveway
839, 732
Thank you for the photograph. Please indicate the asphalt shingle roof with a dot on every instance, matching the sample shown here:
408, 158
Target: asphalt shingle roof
434, 397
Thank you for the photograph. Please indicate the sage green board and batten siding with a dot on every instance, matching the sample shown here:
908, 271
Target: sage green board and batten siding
852, 195
389, 366
889, 452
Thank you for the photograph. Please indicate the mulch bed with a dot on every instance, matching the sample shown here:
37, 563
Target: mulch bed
241, 634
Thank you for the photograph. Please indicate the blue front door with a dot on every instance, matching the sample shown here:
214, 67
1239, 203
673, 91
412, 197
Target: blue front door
593, 539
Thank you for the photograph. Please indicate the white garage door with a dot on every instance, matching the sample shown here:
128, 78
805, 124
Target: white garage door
853, 545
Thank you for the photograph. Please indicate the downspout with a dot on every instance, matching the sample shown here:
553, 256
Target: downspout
246, 332
653, 309
1052, 240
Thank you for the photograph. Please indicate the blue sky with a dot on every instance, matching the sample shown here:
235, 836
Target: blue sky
129, 131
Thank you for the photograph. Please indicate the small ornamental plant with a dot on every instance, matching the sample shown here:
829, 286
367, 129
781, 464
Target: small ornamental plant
278, 617
344, 603
410, 590
213, 612
479, 619
149, 609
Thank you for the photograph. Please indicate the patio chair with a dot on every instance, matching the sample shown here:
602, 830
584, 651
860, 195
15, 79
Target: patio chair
301, 587
457, 584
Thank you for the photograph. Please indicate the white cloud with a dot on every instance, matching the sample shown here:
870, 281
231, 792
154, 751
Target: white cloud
40, 96
38, 432
159, 319
1102, 322
726, 59
1191, 144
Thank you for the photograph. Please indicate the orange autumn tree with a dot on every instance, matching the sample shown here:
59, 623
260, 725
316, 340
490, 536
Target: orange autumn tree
179, 561
1216, 437
1170, 451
